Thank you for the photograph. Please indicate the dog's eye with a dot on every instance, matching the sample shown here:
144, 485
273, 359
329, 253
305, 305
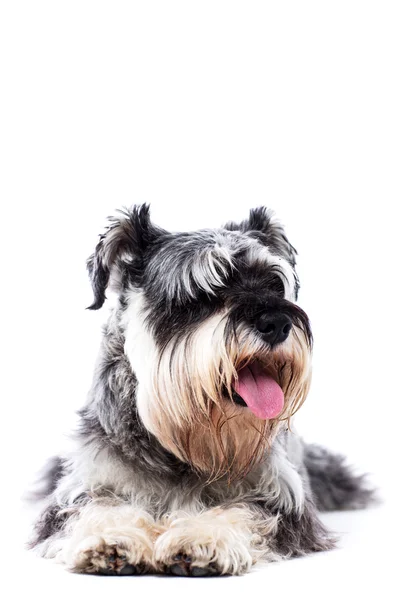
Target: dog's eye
276, 285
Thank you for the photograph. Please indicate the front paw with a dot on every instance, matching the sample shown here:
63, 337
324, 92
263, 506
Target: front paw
205, 545
109, 556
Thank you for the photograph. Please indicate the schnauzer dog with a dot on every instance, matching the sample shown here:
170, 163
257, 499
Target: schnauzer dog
184, 461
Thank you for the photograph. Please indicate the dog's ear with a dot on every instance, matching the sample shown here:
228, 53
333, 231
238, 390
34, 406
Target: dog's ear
263, 225
126, 239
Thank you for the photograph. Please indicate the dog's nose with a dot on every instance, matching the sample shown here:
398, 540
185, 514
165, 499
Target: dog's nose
274, 328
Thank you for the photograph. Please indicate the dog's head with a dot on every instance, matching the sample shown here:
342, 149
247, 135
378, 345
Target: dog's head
218, 345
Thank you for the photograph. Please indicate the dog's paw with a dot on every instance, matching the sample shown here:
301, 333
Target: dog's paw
195, 559
205, 545
106, 556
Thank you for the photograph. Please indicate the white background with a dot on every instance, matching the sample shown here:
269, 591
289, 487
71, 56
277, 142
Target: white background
204, 109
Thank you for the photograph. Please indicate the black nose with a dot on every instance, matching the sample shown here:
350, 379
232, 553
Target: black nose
275, 328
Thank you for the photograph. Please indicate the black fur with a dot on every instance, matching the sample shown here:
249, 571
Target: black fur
133, 233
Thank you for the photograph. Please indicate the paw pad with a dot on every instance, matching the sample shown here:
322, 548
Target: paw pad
182, 567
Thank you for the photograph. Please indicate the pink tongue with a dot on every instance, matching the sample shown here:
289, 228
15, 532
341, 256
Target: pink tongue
262, 394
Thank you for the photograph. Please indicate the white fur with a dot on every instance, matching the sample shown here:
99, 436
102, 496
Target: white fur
101, 524
142, 353
232, 539
282, 483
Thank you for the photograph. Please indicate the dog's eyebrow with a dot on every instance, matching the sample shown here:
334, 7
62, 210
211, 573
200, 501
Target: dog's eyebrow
258, 254
191, 262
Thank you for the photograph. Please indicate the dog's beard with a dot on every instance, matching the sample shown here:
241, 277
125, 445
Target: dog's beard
191, 409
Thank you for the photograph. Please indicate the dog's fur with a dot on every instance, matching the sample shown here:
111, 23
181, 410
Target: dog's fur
168, 472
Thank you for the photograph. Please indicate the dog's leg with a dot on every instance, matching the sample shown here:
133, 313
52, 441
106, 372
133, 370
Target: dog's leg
218, 541
230, 540
300, 532
106, 537
334, 484
111, 540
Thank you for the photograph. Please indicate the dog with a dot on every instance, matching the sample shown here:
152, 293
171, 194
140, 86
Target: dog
184, 461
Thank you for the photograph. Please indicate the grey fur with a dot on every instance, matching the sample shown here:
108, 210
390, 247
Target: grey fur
333, 483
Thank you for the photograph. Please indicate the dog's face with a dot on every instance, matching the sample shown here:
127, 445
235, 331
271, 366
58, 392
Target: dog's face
219, 348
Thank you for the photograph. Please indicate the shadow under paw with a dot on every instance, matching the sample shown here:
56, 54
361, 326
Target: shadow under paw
183, 567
